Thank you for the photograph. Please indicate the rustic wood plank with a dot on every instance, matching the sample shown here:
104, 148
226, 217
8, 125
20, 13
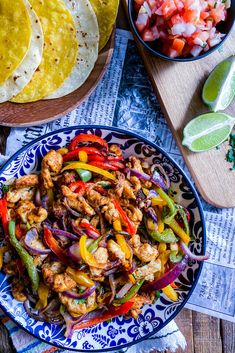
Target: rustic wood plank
206, 334
228, 336
178, 86
185, 322
6, 345
4, 132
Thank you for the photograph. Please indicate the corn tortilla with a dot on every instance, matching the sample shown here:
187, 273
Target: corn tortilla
106, 12
60, 50
15, 34
23, 74
87, 31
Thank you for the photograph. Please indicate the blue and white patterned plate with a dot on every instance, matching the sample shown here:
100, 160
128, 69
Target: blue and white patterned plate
120, 332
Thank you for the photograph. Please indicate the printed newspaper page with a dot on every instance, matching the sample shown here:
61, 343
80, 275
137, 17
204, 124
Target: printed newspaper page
125, 98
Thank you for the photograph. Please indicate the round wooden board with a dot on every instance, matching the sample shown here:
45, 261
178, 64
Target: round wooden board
43, 111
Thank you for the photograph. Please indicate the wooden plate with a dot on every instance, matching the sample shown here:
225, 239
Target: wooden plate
43, 111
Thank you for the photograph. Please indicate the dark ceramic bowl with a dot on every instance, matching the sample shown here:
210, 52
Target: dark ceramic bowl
153, 47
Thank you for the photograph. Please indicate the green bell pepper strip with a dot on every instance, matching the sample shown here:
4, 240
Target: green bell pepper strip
85, 175
184, 219
170, 203
174, 258
26, 259
94, 245
130, 294
167, 236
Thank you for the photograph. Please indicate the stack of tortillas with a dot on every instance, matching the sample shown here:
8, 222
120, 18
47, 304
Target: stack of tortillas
48, 48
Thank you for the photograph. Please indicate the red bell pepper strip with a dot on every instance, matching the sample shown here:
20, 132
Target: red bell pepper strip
96, 158
74, 153
129, 225
117, 164
79, 184
19, 232
114, 158
4, 215
108, 315
87, 138
89, 226
54, 246
103, 165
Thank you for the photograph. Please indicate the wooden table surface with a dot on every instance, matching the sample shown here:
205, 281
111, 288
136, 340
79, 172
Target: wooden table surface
204, 334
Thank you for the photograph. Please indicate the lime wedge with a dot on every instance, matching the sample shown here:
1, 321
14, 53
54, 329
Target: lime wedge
219, 89
207, 131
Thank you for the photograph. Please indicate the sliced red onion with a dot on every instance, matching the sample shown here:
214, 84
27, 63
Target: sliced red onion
151, 213
191, 255
74, 252
77, 230
33, 244
163, 173
168, 277
39, 316
92, 234
124, 290
70, 322
152, 193
133, 267
44, 201
53, 306
37, 199
113, 287
84, 295
158, 180
73, 212
62, 233
138, 174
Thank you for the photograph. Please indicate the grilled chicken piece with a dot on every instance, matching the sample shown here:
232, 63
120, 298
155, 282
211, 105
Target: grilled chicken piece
76, 309
38, 215
101, 256
115, 149
145, 252
50, 269
139, 301
77, 202
17, 289
51, 164
63, 282
95, 198
147, 271
24, 209
30, 180
16, 195
110, 212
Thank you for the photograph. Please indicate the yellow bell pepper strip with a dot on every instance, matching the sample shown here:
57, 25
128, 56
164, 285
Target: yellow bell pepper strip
3, 249
170, 293
4, 215
164, 257
91, 168
179, 231
43, 292
130, 294
108, 315
83, 156
87, 138
73, 155
62, 151
158, 201
80, 277
129, 225
132, 278
25, 257
162, 247
160, 224
87, 256
121, 239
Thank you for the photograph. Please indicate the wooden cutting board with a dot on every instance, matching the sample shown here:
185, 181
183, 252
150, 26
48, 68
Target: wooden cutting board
178, 87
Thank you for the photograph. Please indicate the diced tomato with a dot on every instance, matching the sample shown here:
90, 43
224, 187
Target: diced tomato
176, 19
168, 8
218, 14
204, 15
142, 21
178, 45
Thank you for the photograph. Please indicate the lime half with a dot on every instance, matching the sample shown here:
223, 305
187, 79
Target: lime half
207, 131
219, 89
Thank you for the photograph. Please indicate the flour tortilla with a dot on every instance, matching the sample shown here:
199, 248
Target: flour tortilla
15, 33
59, 54
106, 12
23, 74
88, 43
